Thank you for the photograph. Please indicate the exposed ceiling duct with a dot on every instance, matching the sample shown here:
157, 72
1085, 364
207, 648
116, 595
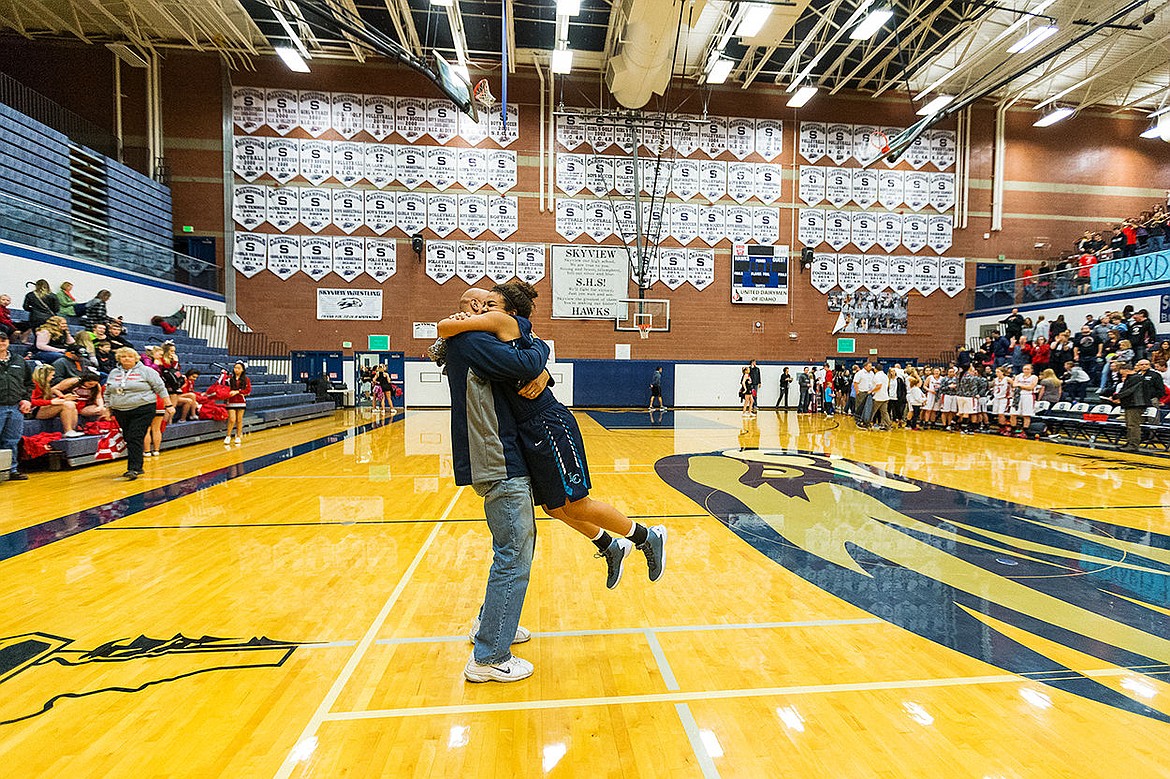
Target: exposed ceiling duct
641, 65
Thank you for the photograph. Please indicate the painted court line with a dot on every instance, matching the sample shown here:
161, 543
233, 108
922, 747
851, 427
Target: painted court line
691, 728
663, 664
310, 731
705, 695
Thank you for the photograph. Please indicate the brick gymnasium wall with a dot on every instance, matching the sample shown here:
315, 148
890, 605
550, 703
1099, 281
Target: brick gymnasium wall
1060, 180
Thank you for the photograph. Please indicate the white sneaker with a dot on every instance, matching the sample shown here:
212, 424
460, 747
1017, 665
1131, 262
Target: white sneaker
522, 633
227, 441
73, 434
236, 439
511, 670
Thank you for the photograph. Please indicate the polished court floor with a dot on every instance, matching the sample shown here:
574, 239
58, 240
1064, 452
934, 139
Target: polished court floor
836, 603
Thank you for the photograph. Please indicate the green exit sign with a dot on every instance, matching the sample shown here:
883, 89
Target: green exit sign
188, 229
378, 343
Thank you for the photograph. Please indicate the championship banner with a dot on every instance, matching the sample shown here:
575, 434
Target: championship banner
249, 253
901, 274
673, 264
875, 271
942, 191
889, 231
283, 157
713, 140
440, 260
349, 255
348, 207
282, 110
249, 157
890, 189
741, 138
442, 119
363, 304
740, 224
917, 190
684, 179
686, 139
925, 274
346, 113
823, 273
248, 108
502, 170
381, 259
839, 142
919, 152
501, 262
472, 169
625, 178
812, 184
712, 227
410, 166
940, 232
473, 215
349, 162
767, 182
503, 134
315, 208
838, 186
684, 227
914, 232
759, 274
700, 268
316, 256
812, 141
952, 275
474, 132
849, 272
741, 181
769, 138
378, 116
942, 149
283, 207
284, 256
599, 220
811, 229
380, 208
599, 175
249, 205
379, 163
410, 212
570, 129
864, 151
410, 118
442, 214
712, 179
530, 262
470, 261
316, 161
599, 133
625, 223
765, 225
441, 164
570, 218
838, 229
865, 187
588, 281
864, 231
503, 215
315, 112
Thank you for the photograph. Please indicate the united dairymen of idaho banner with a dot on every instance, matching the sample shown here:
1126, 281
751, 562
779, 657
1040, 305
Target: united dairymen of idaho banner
1130, 271
588, 281
349, 303
759, 274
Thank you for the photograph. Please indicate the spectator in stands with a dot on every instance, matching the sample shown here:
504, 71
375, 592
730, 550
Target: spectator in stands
1117, 243
1040, 330
1013, 324
1002, 348
88, 346
66, 303
1083, 243
1129, 230
963, 357
188, 397
1088, 351
1076, 382
115, 337
88, 395
1111, 378
1142, 333
1057, 327
50, 401
1049, 387
16, 388
1141, 388
7, 326
1029, 329
132, 392
171, 374
1041, 355
40, 303
96, 312
51, 339
103, 355
239, 387
1162, 353
1085, 265
71, 364
1157, 227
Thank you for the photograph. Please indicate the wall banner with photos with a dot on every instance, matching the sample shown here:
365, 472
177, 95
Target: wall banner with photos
588, 281
884, 313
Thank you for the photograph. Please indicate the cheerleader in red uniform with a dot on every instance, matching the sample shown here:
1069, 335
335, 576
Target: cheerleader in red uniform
239, 387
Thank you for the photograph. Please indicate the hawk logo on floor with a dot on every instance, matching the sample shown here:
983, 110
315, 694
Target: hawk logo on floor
34, 662
1008, 584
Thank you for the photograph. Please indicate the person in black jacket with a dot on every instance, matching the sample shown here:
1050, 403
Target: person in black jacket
16, 386
1142, 333
1140, 389
40, 303
1013, 324
115, 337
95, 310
754, 372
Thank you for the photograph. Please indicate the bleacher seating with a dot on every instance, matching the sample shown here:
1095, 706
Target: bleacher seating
34, 166
274, 400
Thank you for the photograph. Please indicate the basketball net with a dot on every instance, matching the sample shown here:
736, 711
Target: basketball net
644, 330
482, 95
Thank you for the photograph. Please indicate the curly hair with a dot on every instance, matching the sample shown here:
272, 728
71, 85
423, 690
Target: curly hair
518, 297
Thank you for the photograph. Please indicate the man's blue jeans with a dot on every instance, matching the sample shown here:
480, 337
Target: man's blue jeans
508, 507
11, 428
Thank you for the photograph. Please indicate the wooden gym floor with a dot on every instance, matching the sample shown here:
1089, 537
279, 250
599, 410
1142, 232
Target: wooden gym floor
836, 603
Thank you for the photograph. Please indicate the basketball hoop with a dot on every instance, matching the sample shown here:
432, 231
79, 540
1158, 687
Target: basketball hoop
482, 95
644, 330
880, 142
644, 323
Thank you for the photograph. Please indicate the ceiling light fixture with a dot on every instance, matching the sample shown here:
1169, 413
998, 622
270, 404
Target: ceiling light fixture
802, 96
871, 24
1033, 39
936, 105
443, 3
752, 20
292, 36
562, 60
292, 59
719, 69
1052, 118
568, 7
1151, 131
